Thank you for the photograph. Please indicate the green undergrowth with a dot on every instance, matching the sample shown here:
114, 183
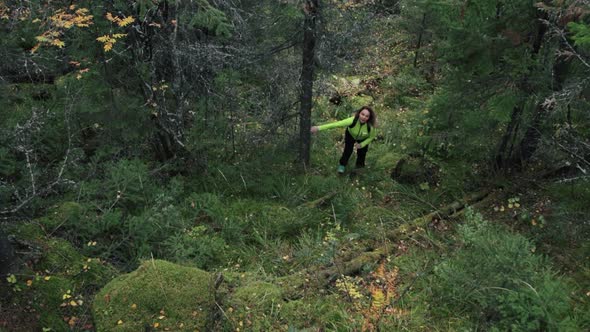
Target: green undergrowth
488, 277
551, 215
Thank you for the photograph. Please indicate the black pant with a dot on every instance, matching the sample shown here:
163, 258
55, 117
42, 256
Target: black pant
348, 148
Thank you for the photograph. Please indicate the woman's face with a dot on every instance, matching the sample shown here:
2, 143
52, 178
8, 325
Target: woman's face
364, 116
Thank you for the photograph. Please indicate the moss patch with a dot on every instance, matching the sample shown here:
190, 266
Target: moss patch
158, 294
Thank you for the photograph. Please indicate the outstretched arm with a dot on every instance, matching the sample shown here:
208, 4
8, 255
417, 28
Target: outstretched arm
342, 123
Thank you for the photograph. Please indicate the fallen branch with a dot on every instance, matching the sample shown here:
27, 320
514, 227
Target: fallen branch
319, 201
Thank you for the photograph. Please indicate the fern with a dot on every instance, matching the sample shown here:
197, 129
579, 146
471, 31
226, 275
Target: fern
581, 33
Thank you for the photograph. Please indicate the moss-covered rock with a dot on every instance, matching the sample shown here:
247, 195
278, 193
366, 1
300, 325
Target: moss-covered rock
158, 294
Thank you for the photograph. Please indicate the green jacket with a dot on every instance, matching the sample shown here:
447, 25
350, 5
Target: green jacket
359, 132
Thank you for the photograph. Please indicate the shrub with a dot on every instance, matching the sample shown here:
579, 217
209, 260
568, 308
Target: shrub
196, 246
497, 281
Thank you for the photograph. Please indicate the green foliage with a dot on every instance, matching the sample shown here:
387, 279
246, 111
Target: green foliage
211, 19
197, 246
404, 88
581, 33
125, 184
497, 281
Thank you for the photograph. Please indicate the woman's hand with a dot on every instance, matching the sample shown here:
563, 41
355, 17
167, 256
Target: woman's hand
314, 129
357, 146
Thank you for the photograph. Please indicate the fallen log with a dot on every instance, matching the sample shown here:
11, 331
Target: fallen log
442, 213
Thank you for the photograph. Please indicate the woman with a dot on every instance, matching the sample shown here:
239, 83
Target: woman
359, 134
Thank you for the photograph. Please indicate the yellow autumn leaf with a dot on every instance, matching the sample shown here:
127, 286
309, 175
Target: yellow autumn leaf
29, 282
47, 278
73, 303
126, 21
58, 43
110, 17
378, 298
107, 47
119, 322
156, 325
82, 11
119, 35
103, 39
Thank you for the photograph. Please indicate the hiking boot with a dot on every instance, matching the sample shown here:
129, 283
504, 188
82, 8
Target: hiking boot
341, 169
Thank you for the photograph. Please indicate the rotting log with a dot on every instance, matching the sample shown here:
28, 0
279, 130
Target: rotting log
442, 213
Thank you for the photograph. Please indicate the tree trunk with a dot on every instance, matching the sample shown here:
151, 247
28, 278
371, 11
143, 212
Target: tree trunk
422, 28
532, 136
504, 158
6, 255
311, 11
502, 155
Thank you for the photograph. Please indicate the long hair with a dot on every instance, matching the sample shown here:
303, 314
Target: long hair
372, 116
